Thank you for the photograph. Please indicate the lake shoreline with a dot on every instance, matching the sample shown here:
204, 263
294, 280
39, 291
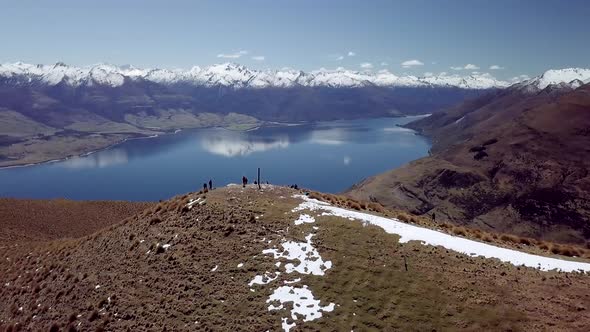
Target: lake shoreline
112, 145
148, 170
59, 157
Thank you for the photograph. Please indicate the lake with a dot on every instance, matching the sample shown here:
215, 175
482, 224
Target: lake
325, 156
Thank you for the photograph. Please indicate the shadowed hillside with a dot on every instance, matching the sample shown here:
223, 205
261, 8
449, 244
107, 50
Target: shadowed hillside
513, 161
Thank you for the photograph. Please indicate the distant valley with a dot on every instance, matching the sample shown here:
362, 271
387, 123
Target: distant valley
55, 111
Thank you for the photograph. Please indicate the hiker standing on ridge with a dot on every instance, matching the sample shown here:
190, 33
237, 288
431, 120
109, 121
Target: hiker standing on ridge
210, 184
205, 187
244, 181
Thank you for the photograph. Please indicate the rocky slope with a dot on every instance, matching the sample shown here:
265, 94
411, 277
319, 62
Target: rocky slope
244, 259
513, 161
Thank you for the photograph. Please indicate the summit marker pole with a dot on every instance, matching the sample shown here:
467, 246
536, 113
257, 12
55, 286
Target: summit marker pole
259, 178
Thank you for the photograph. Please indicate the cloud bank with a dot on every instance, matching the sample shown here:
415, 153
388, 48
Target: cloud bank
412, 63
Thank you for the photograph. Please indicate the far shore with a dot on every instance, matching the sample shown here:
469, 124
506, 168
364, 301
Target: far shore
63, 156
66, 155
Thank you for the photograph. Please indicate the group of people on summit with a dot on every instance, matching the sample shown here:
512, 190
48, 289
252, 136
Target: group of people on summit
209, 185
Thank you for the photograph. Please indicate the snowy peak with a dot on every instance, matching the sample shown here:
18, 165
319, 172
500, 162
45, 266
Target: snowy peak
233, 75
568, 78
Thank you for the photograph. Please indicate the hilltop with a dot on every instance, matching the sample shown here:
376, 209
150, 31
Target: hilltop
246, 259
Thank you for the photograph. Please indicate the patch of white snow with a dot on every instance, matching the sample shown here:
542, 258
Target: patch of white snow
304, 303
304, 219
310, 261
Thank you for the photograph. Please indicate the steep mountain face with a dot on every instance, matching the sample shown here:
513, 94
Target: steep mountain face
512, 161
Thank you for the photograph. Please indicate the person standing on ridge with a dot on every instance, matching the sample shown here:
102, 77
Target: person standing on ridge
210, 184
244, 181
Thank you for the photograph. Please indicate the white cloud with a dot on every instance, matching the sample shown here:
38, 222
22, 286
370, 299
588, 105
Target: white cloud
237, 144
468, 66
351, 53
347, 160
519, 78
412, 63
258, 58
428, 74
339, 58
384, 63
496, 67
366, 65
235, 55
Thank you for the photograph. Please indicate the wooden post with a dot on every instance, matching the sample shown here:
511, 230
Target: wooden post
259, 178
405, 263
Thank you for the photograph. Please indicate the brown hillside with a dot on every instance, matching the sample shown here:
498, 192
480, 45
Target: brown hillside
42, 220
510, 162
180, 269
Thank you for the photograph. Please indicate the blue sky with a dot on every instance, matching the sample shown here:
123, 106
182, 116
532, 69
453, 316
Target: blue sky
520, 37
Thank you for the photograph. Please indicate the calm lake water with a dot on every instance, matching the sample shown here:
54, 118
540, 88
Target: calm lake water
326, 156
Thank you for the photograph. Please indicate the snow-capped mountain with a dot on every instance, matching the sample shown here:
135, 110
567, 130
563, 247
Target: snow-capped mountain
568, 78
235, 76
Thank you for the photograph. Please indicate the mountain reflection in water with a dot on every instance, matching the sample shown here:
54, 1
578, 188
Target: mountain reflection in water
326, 156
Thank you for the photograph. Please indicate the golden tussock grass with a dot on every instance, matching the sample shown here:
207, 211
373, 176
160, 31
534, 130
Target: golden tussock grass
509, 238
459, 231
374, 206
403, 217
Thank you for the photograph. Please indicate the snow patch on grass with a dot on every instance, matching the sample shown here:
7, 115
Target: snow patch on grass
303, 258
310, 261
285, 325
304, 303
192, 202
427, 236
263, 279
304, 219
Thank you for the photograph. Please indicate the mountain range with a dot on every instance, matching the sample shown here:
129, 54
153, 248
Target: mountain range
235, 76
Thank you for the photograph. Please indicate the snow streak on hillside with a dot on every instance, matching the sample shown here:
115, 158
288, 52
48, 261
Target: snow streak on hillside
409, 232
